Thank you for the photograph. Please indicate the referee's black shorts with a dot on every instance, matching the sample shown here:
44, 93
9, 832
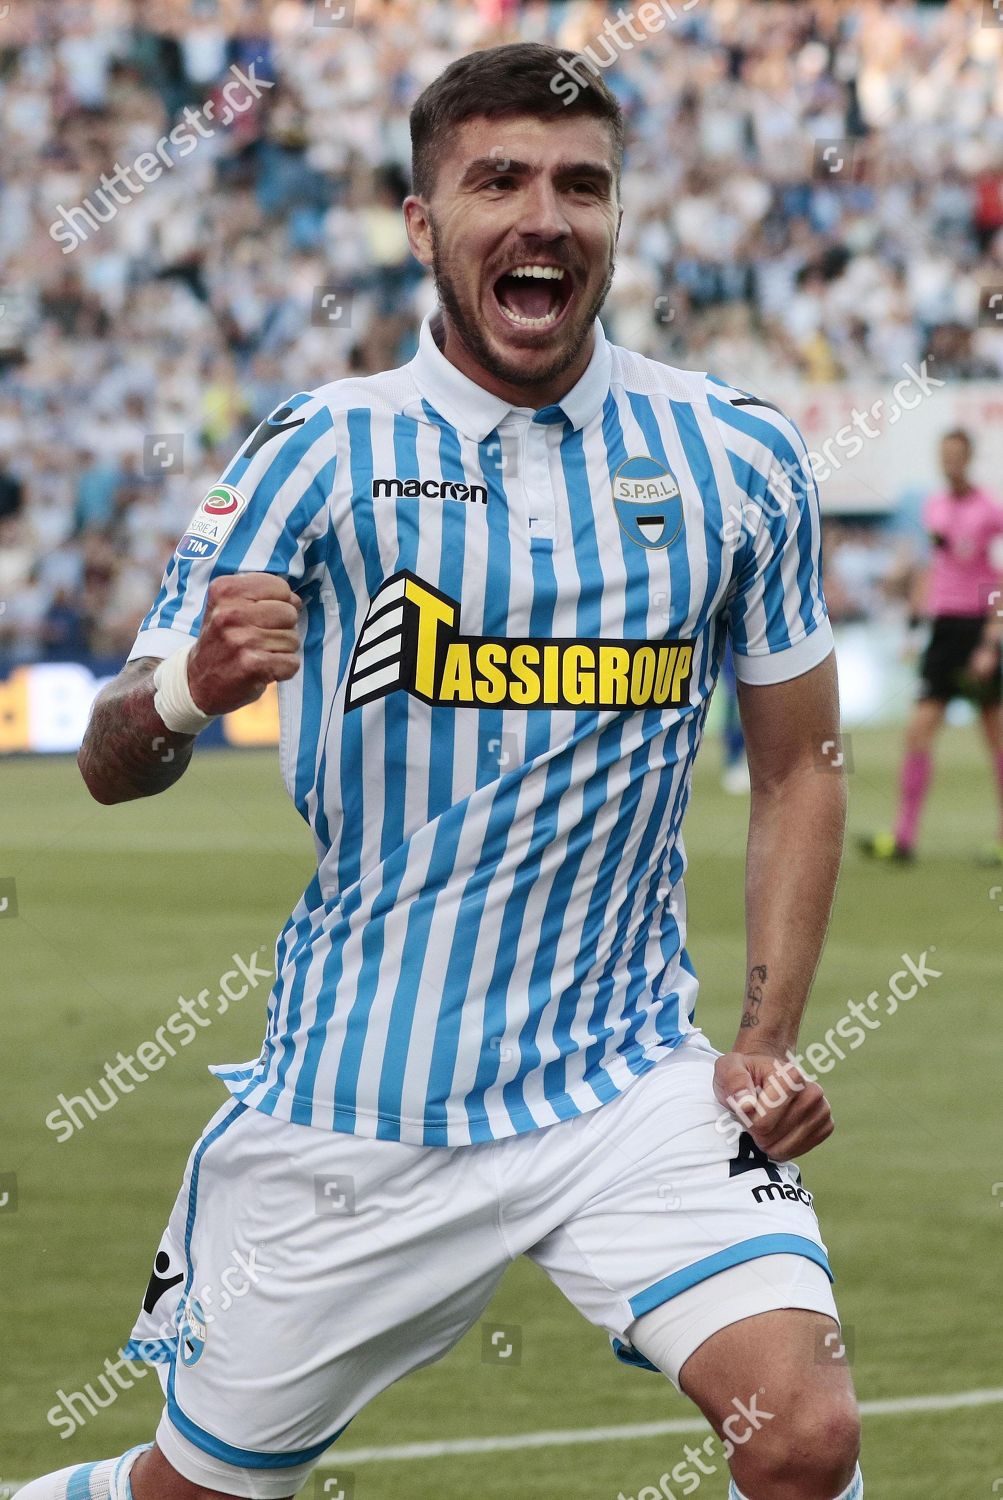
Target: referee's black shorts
943, 669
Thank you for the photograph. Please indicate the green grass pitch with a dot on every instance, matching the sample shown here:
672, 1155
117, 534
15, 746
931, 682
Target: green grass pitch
120, 911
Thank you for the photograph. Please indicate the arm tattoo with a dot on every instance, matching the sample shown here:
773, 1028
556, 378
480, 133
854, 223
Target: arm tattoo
754, 995
128, 751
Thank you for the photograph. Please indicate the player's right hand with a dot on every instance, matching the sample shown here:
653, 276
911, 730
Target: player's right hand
248, 639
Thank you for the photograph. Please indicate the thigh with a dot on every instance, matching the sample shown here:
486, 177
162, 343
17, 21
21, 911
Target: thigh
302, 1272
776, 1388
774, 1353
685, 1202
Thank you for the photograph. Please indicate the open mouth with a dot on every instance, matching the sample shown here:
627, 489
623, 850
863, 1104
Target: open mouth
534, 295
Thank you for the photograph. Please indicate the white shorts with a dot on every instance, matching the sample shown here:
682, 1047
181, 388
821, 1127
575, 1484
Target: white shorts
303, 1271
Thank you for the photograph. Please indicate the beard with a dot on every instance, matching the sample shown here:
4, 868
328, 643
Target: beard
467, 327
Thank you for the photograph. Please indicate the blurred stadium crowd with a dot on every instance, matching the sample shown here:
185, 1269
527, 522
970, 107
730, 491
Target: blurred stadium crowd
184, 313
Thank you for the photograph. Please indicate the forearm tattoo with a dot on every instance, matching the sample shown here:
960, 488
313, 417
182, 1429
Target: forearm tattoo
754, 995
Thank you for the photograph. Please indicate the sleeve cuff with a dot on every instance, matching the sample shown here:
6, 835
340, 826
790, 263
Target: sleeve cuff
160, 643
781, 666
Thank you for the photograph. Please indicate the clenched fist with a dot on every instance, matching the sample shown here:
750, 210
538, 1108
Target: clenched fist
248, 639
783, 1111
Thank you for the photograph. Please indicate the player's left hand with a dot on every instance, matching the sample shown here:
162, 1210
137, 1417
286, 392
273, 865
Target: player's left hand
784, 1113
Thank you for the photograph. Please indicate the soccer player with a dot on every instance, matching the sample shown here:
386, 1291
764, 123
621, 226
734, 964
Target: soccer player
962, 658
494, 589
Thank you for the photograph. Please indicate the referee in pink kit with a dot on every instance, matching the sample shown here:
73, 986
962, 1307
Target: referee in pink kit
963, 656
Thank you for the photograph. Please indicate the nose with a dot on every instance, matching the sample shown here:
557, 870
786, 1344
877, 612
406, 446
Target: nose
541, 214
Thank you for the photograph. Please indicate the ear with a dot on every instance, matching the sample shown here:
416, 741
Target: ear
418, 224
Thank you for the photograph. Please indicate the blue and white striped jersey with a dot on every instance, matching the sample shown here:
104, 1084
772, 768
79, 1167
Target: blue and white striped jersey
513, 623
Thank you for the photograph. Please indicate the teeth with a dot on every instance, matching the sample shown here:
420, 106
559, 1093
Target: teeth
515, 317
540, 273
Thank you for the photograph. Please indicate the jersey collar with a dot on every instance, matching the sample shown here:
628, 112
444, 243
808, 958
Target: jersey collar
476, 412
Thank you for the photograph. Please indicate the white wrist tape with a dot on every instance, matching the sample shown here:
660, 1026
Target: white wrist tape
173, 698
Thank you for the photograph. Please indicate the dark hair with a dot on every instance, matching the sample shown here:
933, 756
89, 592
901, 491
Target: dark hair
519, 78
962, 436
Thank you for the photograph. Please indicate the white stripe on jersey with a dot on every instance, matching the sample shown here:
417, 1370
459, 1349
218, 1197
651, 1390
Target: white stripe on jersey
494, 727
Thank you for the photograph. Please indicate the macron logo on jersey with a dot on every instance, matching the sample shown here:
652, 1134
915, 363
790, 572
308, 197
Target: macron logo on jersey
411, 640
430, 489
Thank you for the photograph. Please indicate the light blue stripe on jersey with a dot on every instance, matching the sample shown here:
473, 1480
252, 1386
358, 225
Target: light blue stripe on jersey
162, 592
311, 712
79, 1487
289, 455
640, 981
635, 625
608, 752
544, 829
500, 823
303, 932
392, 834
491, 721
405, 467
360, 463
442, 744
594, 794
666, 1015
346, 1086
797, 470
680, 583
702, 471
336, 572
471, 907
450, 816
169, 611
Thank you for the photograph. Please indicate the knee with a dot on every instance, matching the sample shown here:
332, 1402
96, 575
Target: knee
154, 1478
919, 739
809, 1452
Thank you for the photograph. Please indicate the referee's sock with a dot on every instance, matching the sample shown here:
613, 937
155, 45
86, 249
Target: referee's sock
106, 1480
853, 1491
914, 783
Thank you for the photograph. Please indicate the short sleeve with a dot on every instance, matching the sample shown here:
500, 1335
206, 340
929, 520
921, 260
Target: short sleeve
777, 614
268, 508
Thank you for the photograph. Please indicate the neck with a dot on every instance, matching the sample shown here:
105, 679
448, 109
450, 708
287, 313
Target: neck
528, 393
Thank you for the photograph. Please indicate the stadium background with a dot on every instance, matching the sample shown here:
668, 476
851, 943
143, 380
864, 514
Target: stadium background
814, 210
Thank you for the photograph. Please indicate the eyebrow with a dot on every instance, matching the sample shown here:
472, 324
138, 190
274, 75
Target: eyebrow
492, 166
